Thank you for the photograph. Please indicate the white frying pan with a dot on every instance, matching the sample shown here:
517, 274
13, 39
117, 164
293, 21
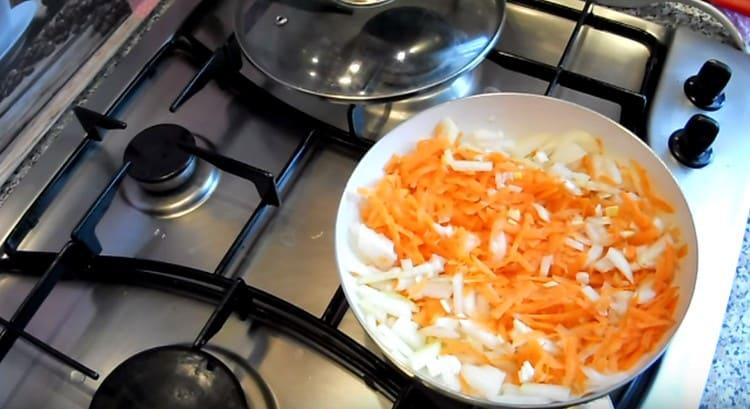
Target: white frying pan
516, 115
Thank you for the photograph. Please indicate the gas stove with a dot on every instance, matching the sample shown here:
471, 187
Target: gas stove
192, 205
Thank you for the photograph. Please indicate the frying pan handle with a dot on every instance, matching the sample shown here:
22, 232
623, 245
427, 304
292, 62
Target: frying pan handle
712, 11
701, 5
740, 6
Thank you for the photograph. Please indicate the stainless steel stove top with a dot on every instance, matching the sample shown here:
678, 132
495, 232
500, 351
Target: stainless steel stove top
288, 251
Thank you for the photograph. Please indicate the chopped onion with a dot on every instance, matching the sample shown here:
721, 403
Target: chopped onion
483, 306
526, 373
405, 282
590, 293
610, 169
582, 277
520, 327
498, 246
514, 214
424, 355
373, 311
393, 341
442, 328
611, 211
458, 294
487, 141
485, 379
546, 264
472, 242
620, 302
542, 212
471, 166
514, 188
574, 244
444, 365
541, 157
548, 345
407, 330
659, 224
593, 254
550, 284
481, 335
620, 262
502, 178
432, 289
596, 233
470, 303
393, 304
645, 292
374, 248
647, 256
603, 265
568, 153
465, 165
443, 231
580, 238
430, 269
447, 129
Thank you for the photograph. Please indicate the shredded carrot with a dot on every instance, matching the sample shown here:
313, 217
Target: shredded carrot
536, 213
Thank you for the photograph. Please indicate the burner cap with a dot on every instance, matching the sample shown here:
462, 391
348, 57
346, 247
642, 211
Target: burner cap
176, 377
155, 153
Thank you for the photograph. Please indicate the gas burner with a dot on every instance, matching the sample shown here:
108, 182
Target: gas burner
158, 163
173, 376
165, 180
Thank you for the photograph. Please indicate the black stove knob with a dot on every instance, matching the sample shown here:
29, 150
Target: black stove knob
706, 90
691, 145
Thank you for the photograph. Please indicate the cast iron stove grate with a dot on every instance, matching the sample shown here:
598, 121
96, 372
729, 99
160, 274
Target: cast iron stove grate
79, 259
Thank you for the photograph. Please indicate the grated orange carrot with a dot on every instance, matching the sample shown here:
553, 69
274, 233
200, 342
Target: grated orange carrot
419, 191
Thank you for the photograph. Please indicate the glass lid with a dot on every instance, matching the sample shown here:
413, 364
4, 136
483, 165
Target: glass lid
366, 50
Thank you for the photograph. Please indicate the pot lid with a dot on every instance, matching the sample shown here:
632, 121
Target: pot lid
366, 50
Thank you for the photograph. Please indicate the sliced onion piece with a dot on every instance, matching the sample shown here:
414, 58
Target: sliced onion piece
424, 355
590, 293
479, 334
645, 292
394, 343
546, 264
526, 373
458, 294
443, 327
447, 129
542, 212
567, 153
574, 244
485, 379
593, 254
373, 248
498, 246
443, 231
391, 303
407, 330
582, 277
620, 262
432, 289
